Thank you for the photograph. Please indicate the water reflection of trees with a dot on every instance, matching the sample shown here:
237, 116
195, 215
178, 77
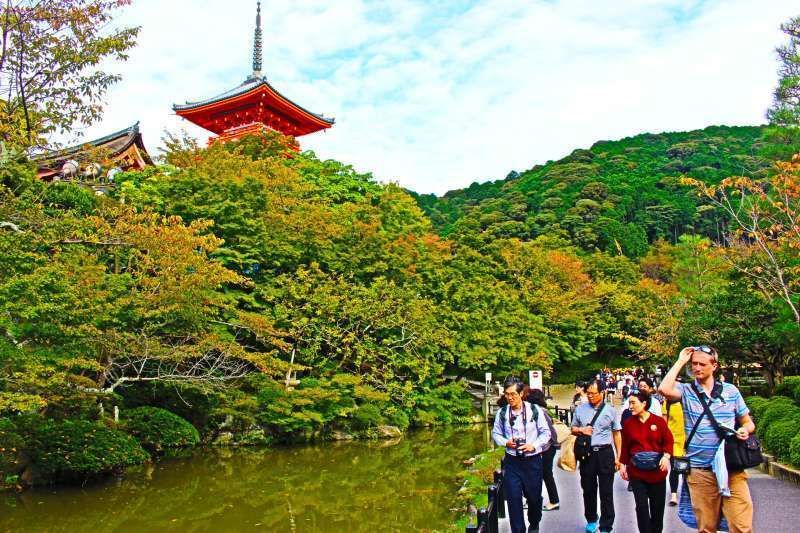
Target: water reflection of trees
326, 487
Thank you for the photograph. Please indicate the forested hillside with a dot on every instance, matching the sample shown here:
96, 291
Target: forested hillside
615, 196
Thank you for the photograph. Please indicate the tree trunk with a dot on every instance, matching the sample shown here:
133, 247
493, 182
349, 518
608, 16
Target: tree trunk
769, 376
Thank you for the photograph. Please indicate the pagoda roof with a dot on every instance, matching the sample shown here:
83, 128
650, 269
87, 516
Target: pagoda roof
205, 113
115, 143
125, 148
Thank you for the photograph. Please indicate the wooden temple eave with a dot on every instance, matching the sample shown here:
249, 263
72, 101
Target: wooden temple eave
253, 100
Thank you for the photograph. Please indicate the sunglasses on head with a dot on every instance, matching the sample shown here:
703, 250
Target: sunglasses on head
704, 349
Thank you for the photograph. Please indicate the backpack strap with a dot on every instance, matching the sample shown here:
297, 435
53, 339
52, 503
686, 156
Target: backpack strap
503, 411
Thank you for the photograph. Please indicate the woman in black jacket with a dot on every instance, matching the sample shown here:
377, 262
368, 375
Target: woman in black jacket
536, 397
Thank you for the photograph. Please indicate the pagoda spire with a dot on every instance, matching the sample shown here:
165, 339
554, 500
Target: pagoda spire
257, 44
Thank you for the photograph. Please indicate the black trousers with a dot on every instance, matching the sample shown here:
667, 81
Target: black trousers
523, 476
547, 474
597, 472
673, 480
650, 500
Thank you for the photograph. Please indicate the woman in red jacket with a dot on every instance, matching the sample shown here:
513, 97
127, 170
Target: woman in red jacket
646, 449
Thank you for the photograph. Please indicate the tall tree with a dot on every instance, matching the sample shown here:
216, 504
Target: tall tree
50, 64
785, 109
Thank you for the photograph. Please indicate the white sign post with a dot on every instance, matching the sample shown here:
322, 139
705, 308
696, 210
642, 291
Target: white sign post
535, 379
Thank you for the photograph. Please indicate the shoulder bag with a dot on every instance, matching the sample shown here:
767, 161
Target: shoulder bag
739, 454
681, 464
583, 443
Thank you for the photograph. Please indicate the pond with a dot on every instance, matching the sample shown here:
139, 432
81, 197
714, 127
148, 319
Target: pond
407, 484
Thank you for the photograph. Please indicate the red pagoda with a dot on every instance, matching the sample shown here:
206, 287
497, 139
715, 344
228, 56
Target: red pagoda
252, 107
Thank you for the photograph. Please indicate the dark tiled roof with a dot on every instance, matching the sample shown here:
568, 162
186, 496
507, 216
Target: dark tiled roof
248, 85
116, 142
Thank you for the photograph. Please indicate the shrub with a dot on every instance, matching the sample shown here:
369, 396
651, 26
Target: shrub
780, 434
80, 449
755, 403
444, 403
424, 418
398, 417
788, 386
11, 445
779, 407
158, 429
367, 416
794, 450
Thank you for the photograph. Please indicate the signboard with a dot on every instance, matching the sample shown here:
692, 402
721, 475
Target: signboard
535, 380
488, 377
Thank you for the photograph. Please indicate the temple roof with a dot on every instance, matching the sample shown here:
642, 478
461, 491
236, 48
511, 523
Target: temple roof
116, 143
252, 104
124, 149
200, 112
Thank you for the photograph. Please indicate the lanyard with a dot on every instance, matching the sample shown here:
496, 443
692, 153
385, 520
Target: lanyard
524, 420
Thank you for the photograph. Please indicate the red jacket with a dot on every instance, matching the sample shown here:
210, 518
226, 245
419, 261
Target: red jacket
650, 436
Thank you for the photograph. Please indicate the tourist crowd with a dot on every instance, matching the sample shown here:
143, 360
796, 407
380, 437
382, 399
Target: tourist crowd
666, 429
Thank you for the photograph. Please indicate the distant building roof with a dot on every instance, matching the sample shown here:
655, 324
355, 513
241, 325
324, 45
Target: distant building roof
124, 147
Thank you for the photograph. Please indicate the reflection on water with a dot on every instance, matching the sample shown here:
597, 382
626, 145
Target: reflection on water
401, 485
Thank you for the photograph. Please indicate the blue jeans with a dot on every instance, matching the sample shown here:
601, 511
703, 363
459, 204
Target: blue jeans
523, 476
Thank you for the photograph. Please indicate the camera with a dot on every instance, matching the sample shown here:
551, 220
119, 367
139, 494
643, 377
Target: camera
518, 443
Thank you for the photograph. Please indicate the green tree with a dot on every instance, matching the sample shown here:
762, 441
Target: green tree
51, 53
785, 109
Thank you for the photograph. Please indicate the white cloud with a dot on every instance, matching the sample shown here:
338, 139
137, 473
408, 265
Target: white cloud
435, 95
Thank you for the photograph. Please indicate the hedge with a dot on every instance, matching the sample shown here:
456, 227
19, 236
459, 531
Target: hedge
777, 420
794, 450
79, 449
158, 429
756, 404
780, 434
788, 387
779, 407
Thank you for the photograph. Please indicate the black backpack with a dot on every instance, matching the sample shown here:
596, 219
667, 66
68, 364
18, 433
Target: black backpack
504, 415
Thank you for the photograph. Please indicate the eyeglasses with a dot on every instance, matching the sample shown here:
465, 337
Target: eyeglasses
704, 349
510, 394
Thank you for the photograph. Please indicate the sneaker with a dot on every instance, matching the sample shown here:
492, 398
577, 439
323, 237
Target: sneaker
551, 507
532, 529
591, 527
673, 500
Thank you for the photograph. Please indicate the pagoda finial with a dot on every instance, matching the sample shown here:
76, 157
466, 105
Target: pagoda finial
257, 44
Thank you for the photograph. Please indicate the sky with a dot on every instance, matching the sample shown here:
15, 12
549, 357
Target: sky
435, 95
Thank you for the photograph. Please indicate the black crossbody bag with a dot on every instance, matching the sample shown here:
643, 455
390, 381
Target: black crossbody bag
583, 443
739, 454
681, 464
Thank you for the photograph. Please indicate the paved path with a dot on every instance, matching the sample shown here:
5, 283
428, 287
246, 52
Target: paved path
776, 506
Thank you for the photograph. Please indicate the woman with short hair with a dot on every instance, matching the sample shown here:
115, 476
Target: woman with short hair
646, 448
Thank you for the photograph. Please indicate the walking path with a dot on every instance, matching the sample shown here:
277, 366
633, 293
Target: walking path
775, 502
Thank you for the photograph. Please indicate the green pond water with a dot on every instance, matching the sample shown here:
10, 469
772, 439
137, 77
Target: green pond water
403, 485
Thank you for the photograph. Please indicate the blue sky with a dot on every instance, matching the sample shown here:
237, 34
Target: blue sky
435, 95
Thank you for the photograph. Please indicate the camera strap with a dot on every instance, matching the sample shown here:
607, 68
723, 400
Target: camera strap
511, 419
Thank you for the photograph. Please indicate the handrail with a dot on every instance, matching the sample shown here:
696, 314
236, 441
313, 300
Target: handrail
494, 510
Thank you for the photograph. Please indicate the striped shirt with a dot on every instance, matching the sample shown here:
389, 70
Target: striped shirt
726, 409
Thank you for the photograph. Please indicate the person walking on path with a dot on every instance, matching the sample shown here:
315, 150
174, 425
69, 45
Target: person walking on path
522, 429
646, 385
536, 397
646, 449
673, 414
728, 408
597, 470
